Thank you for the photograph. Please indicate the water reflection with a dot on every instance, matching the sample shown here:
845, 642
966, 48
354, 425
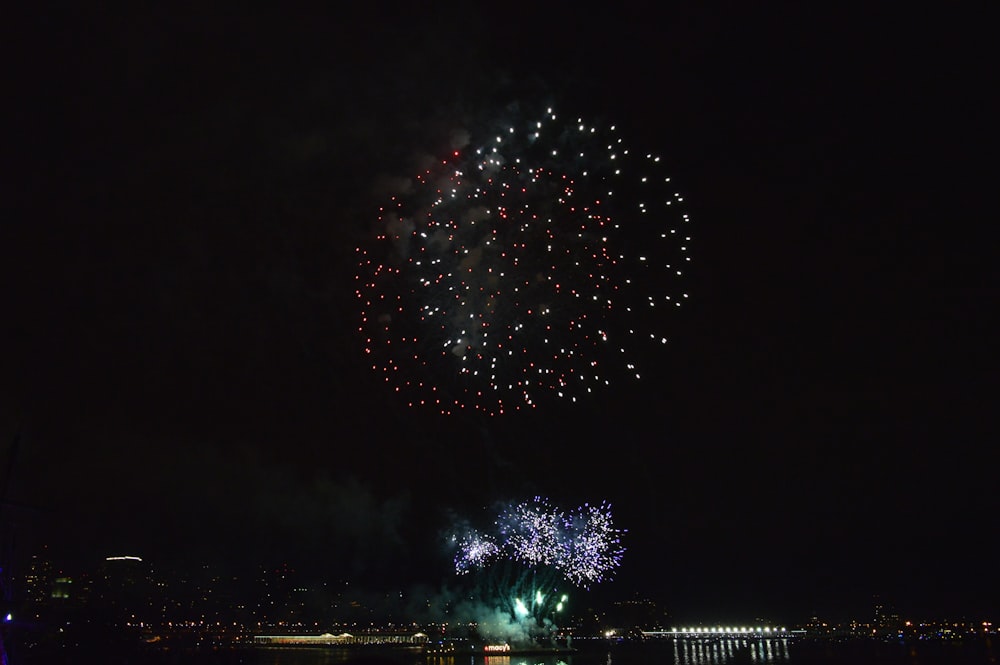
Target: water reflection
723, 651
502, 660
736, 651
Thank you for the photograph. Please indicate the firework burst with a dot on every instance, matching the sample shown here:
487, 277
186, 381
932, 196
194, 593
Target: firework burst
537, 260
533, 551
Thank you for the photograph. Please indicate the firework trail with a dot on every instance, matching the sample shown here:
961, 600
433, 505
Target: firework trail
536, 260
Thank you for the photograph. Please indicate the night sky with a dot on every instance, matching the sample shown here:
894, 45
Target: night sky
181, 370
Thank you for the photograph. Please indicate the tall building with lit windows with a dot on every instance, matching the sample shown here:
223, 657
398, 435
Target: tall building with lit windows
885, 617
39, 579
124, 589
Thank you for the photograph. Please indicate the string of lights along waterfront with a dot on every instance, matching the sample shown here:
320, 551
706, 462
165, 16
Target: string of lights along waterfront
721, 631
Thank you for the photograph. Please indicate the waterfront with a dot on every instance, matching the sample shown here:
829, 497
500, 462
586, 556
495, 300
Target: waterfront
717, 652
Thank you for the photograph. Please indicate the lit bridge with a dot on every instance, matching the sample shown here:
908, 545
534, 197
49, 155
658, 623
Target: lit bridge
344, 640
722, 632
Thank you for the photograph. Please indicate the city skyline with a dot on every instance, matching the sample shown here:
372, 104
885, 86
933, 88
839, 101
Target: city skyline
185, 371
269, 594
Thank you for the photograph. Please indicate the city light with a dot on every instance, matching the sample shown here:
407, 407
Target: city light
689, 631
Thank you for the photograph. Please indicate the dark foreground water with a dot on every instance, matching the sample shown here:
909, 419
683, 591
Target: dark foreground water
724, 652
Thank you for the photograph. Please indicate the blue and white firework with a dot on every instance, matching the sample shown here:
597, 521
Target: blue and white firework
583, 545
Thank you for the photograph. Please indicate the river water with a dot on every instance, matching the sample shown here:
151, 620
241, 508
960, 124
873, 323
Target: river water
722, 652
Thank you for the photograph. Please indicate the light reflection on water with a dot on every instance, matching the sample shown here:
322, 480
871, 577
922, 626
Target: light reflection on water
683, 652
680, 652
594, 658
508, 660
723, 651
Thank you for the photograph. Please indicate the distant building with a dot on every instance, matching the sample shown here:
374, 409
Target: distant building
39, 579
124, 590
885, 617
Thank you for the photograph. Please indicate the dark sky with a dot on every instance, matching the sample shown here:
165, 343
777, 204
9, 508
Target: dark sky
180, 364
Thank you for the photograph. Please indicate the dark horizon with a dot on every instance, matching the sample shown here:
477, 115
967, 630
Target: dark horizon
182, 366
